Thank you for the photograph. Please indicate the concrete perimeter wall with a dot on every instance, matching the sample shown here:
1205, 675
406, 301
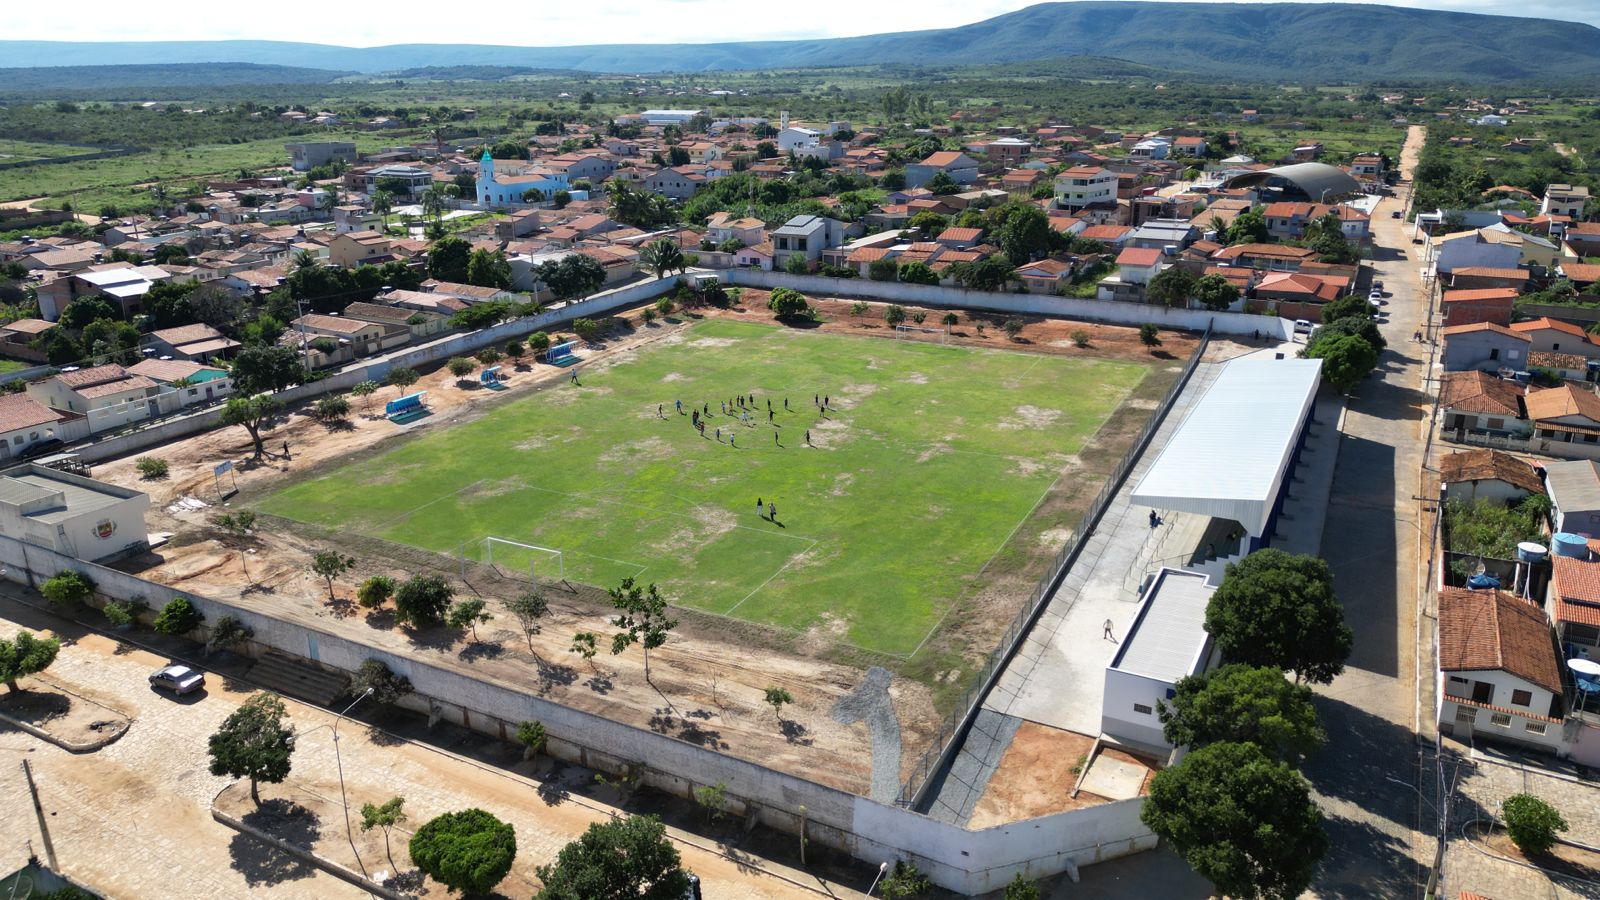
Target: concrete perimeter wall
1111, 311
969, 862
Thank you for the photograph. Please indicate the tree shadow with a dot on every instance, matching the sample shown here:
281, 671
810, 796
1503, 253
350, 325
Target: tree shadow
476, 650
599, 683
552, 676
432, 638
1363, 862
261, 864
341, 607
35, 707
794, 732
552, 789
380, 618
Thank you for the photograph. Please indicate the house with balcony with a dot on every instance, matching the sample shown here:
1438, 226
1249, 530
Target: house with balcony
805, 236
1082, 187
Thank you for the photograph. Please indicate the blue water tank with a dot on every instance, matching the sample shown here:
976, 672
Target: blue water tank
1530, 552
1572, 546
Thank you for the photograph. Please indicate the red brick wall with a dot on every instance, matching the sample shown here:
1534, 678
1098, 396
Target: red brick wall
1471, 312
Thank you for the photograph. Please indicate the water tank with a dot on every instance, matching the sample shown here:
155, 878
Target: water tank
1572, 546
1529, 552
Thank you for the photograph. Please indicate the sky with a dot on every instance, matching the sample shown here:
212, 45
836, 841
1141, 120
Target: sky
591, 22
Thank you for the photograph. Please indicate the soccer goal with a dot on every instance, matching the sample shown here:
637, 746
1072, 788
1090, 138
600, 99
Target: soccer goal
507, 557
921, 333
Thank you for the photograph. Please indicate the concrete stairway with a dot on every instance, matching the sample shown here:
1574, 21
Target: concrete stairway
297, 678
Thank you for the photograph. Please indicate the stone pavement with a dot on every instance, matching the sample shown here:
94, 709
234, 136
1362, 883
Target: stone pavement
134, 819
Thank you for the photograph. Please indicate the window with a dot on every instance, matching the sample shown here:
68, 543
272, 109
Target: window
1500, 720
1554, 347
1533, 727
1494, 352
1457, 679
1496, 424
1521, 698
1142, 709
1466, 715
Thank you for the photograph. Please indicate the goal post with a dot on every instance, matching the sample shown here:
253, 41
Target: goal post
507, 556
918, 331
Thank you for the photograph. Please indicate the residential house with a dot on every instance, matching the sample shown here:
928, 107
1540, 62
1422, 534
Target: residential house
1469, 307
198, 342
109, 396
1162, 234
1367, 167
1584, 238
960, 238
1566, 419
307, 155
1499, 675
593, 167
363, 338
679, 183
1151, 148
352, 217
722, 227
1296, 295
15, 338
25, 424
794, 137
421, 324
1479, 402
360, 248
1007, 151
1045, 276
1021, 183
1491, 247
1580, 274
1081, 187
1574, 489
1485, 346
755, 256
1557, 336
1574, 598
1483, 277
1138, 265
192, 382
406, 183
1564, 200
961, 168
807, 236
124, 285
1274, 257
1491, 475
1112, 236
1189, 146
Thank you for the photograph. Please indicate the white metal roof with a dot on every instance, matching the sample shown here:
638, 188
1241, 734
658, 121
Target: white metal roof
1228, 458
1169, 636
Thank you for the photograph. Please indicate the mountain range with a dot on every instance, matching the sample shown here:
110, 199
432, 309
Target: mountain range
1304, 42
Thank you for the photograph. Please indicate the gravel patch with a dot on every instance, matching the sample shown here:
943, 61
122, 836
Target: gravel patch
870, 702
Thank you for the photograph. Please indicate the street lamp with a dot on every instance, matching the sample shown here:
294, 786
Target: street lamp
339, 761
882, 868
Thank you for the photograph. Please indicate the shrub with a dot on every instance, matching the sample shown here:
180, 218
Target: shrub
178, 618
894, 314
460, 366
532, 737
1080, 338
587, 329
859, 308
1013, 327
228, 633
331, 409
1148, 335
469, 851
123, 613
375, 591
787, 303
664, 306
1531, 822
386, 686
538, 342
648, 315
68, 587
151, 468
515, 350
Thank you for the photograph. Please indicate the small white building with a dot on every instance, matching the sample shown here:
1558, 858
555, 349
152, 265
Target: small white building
1498, 675
1167, 642
71, 514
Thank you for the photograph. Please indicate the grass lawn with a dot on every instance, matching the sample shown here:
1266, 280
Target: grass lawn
931, 458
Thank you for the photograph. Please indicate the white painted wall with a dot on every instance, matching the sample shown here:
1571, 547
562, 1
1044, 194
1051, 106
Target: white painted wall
1119, 718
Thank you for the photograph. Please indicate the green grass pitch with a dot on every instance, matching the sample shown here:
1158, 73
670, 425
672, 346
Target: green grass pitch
930, 458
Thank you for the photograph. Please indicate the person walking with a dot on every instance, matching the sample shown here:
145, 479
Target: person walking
679, 405
760, 507
574, 374
286, 449
826, 401
786, 404
775, 440
772, 510
808, 437
660, 411
719, 435
1154, 519
731, 442
707, 409
769, 415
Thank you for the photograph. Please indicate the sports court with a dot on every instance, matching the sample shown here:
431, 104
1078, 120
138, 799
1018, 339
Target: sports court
926, 462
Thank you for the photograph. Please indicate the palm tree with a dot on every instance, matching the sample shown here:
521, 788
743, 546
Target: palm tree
305, 259
662, 257
158, 193
660, 210
329, 199
433, 203
383, 205
625, 201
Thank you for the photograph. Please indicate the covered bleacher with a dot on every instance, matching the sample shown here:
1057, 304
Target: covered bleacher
406, 409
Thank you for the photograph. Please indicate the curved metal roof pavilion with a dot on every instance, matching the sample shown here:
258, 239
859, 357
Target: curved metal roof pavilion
1315, 180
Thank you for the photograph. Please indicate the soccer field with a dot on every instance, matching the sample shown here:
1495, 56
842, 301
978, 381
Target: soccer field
929, 458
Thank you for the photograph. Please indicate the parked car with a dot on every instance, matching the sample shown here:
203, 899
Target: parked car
1302, 326
177, 679
693, 893
1377, 284
1395, 215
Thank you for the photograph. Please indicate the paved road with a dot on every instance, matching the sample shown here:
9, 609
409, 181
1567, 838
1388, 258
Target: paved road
133, 819
1370, 540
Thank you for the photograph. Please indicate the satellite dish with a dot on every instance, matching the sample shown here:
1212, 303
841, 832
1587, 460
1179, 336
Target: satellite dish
1480, 568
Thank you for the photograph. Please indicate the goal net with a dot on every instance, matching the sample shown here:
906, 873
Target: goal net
515, 558
921, 333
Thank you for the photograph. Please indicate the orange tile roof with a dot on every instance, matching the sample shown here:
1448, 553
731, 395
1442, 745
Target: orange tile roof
1490, 465
1542, 323
1581, 272
1480, 392
1491, 272
1106, 232
1563, 401
1491, 630
17, 411
1280, 251
1139, 256
1484, 326
1468, 296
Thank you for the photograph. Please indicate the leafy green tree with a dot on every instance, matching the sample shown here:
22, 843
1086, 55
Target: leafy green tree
942, 183
401, 378
529, 607
1532, 823
918, 272
1026, 234
532, 737
586, 645
787, 303
642, 615
1348, 306
469, 851
385, 816
538, 342
1171, 287
883, 270
903, 882
1012, 327
375, 591
468, 614
254, 743
1215, 292
587, 329
573, 276
950, 320
252, 414
461, 366
1248, 228
797, 264
110, 340
228, 633
1239, 703
448, 259
894, 314
992, 273
383, 204
421, 601
930, 223
618, 859
776, 697
663, 256
178, 618
1363, 328
1346, 359
84, 310
365, 390
386, 686
1326, 237
25, 655
1241, 820
481, 315
489, 269
266, 370
1020, 889
1278, 610
67, 587
330, 564
1148, 335
331, 409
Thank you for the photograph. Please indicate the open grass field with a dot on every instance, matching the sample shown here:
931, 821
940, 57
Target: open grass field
930, 458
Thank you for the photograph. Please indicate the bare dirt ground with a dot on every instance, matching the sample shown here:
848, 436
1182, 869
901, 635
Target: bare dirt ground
708, 682
75, 720
1037, 774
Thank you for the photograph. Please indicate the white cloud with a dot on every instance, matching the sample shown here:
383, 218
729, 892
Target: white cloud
598, 22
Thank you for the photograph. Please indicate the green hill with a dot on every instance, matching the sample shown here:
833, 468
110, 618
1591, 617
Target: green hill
1245, 41
158, 75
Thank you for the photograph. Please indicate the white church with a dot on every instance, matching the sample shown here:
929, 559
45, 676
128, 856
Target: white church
509, 190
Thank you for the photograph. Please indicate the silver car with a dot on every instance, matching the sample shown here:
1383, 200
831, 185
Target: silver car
178, 679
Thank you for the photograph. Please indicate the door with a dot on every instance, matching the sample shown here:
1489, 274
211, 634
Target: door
1482, 692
